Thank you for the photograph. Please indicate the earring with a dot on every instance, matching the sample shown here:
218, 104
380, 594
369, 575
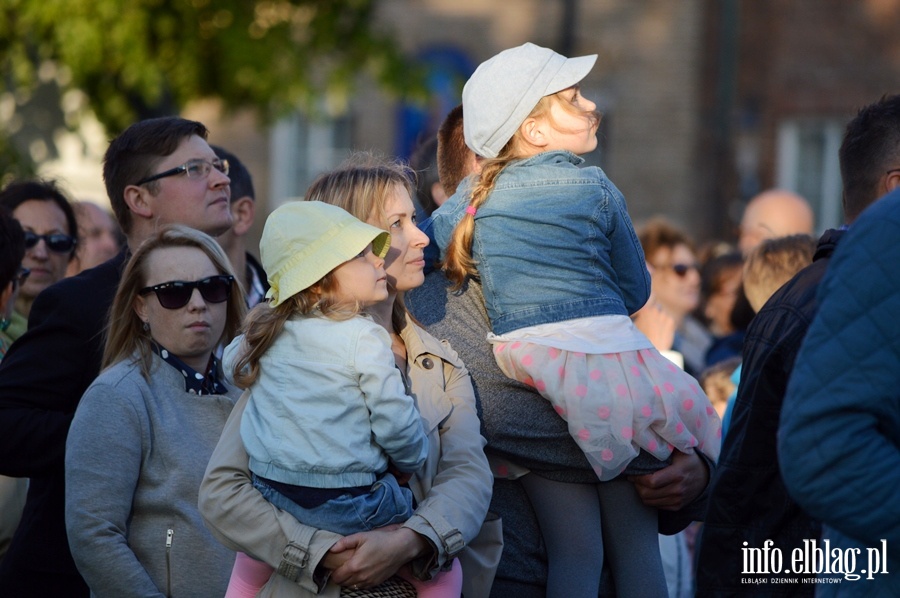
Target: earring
4, 324
146, 326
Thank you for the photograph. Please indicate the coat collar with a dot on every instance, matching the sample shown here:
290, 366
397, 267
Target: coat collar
421, 345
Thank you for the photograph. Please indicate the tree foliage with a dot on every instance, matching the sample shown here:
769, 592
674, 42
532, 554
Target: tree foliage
138, 58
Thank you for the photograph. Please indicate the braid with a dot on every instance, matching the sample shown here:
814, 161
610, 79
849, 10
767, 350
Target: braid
459, 264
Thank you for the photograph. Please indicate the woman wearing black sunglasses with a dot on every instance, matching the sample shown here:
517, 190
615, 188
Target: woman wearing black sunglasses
50, 238
145, 429
674, 294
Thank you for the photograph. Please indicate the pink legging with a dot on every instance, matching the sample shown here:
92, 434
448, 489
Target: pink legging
249, 576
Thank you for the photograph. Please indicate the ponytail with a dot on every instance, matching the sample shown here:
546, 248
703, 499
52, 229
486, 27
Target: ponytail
264, 323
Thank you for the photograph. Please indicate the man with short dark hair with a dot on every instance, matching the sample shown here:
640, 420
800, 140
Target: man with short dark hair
157, 172
455, 161
233, 241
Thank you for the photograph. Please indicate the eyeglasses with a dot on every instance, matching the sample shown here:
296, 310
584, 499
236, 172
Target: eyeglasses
58, 242
21, 276
193, 169
680, 270
177, 293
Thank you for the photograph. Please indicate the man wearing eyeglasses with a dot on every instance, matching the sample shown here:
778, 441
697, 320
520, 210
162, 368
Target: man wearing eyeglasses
50, 238
158, 171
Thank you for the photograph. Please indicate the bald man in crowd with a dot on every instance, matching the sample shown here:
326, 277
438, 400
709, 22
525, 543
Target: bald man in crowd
772, 214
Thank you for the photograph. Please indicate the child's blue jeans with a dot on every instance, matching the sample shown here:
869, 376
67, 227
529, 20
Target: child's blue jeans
386, 503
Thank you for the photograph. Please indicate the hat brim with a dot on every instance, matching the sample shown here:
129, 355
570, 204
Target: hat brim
336, 238
571, 72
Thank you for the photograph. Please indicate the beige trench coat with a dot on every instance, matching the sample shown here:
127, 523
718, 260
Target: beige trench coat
453, 489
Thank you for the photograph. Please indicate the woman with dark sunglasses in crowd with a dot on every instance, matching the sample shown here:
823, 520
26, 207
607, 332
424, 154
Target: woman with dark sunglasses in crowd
50, 238
674, 294
145, 429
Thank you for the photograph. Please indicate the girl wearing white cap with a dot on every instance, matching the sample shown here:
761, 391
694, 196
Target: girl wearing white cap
329, 421
562, 270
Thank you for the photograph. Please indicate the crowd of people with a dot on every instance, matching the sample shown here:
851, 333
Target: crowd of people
471, 375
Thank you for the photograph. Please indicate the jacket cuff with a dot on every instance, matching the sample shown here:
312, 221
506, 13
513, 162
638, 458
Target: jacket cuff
447, 540
299, 562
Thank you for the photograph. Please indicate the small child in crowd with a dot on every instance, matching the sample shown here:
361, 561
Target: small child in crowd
329, 421
774, 262
562, 269
767, 268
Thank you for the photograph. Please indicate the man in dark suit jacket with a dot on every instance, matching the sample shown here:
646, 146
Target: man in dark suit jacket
157, 172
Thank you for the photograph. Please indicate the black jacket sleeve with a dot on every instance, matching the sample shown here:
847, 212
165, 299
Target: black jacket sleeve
48, 368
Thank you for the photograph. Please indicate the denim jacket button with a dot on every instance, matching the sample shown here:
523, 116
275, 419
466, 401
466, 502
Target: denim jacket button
427, 363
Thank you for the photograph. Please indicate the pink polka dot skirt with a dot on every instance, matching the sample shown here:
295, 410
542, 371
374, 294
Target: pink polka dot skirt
617, 403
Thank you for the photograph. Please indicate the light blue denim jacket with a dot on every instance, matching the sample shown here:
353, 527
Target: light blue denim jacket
329, 407
553, 242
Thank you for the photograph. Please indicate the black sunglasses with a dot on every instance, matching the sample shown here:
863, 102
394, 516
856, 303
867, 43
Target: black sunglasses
680, 270
58, 242
177, 293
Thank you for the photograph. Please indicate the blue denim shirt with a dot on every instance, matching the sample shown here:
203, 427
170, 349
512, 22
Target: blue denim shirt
553, 242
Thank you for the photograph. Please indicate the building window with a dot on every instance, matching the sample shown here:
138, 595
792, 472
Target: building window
302, 149
808, 165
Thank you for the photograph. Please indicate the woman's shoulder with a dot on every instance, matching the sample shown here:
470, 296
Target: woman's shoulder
118, 385
420, 343
122, 374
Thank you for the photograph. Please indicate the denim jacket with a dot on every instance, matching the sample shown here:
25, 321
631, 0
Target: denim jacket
553, 242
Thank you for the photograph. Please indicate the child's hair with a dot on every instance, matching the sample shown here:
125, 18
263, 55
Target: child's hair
264, 323
458, 263
716, 382
774, 262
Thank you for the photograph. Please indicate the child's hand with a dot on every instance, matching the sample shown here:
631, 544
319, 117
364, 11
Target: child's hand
402, 477
656, 324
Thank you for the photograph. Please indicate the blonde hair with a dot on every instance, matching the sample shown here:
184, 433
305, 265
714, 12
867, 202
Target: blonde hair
458, 261
361, 186
125, 334
774, 262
